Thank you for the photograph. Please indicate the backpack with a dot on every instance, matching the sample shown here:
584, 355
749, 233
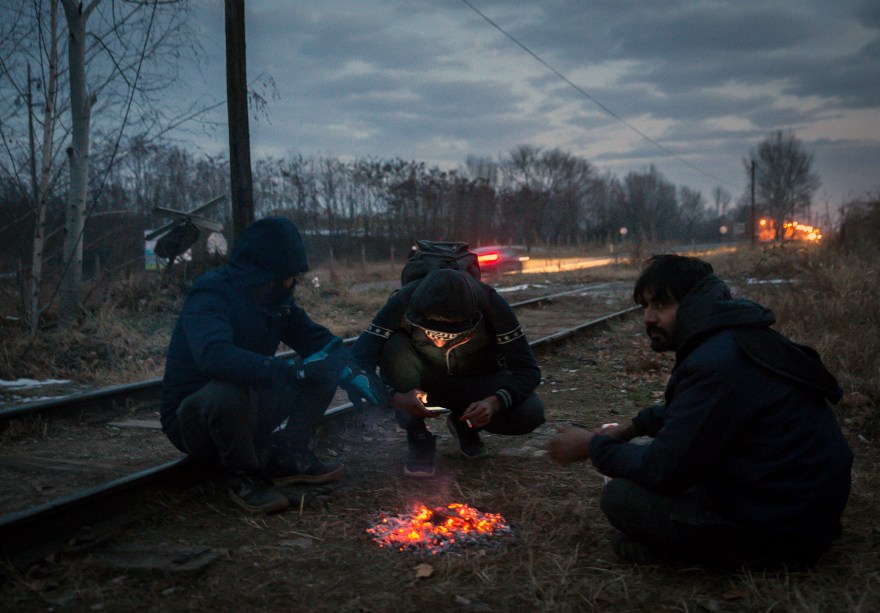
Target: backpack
432, 255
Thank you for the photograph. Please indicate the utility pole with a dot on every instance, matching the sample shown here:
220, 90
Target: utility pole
752, 208
241, 179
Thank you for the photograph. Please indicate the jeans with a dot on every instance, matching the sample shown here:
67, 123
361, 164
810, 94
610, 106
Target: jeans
230, 424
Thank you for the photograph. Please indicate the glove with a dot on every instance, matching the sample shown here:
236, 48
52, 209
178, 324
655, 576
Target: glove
360, 386
318, 362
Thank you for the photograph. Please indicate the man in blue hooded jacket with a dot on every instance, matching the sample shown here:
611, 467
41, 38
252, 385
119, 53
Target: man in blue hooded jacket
225, 393
746, 463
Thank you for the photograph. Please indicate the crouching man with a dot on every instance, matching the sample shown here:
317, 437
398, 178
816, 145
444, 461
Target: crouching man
451, 341
747, 463
225, 393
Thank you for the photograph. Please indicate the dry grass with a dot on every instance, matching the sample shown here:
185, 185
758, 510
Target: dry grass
317, 557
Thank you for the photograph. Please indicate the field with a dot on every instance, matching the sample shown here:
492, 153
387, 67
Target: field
318, 557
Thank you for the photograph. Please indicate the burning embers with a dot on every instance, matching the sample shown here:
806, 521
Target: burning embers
439, 529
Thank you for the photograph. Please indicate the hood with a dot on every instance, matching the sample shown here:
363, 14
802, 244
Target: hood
268, 250
709, 307
446, 294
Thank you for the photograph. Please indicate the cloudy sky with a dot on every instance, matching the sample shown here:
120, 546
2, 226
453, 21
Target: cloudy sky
689, 86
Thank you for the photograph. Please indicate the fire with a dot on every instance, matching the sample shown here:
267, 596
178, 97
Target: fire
437, 530
791, 230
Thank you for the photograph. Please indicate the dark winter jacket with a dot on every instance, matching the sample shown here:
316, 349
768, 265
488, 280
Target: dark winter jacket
235, 316
747, 417
497, 340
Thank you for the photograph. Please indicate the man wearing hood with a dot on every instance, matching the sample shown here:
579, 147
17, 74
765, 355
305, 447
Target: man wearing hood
225, 393
746, 463
447, 340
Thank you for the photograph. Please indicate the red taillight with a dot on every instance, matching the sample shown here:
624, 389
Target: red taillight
488, 258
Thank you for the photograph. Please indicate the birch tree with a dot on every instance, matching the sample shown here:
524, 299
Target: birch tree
112, 49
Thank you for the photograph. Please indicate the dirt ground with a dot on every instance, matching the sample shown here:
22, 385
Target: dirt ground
196, 551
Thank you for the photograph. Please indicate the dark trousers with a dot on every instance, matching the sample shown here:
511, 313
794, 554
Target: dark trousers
686, 527
404, 370
230, 425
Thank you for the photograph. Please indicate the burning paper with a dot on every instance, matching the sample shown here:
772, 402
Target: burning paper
439, 529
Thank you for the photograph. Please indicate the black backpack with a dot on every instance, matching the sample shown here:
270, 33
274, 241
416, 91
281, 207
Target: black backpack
432, 255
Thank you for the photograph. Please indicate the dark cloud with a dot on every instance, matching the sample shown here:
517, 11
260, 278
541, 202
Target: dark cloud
434, 81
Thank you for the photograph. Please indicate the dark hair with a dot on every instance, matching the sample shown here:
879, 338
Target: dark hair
670, 276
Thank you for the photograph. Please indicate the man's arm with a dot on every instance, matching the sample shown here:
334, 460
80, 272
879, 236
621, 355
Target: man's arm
525, 374
572, 444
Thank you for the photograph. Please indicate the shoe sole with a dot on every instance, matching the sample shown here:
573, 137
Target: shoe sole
451, 427
265, 509
418, 474
310, 479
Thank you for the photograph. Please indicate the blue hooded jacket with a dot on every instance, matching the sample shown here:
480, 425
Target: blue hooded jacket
747, 417
234, 318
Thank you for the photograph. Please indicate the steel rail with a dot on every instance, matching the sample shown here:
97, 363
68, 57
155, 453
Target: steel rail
30, 534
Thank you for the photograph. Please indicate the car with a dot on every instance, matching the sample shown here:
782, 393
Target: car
499, 259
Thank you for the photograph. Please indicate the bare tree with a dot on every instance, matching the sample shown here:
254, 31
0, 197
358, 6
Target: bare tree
784, 179
691, 206
111, 47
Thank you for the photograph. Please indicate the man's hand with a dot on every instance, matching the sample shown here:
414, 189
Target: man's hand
572, 444
623, 432
360, 387
412, 402
478, 414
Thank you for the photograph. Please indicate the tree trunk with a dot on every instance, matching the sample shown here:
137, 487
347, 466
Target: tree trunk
42, 195
78, 159
241, 179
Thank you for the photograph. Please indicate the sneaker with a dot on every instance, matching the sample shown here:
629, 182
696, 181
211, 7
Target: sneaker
468, 439
420, 460
633, 551
256, 494
289, 467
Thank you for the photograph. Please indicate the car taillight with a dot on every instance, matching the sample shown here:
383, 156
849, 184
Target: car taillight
488, 258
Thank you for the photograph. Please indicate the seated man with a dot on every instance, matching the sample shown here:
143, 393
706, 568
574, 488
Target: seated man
747, 463
224, 391
451, 341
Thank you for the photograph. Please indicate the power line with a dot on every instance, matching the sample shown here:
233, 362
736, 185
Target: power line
586, 95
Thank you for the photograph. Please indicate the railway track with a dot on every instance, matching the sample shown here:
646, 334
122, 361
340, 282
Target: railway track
66, 490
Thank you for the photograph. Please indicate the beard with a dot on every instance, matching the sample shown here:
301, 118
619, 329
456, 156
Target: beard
661, 339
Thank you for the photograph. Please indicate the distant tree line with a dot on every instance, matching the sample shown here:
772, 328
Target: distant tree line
530, 197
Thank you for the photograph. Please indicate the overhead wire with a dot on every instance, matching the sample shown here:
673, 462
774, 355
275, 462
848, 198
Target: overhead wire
587, 95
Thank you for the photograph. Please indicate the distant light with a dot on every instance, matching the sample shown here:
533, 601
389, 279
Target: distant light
487, 258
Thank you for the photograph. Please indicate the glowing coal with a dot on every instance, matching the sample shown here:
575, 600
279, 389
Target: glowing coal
438, 530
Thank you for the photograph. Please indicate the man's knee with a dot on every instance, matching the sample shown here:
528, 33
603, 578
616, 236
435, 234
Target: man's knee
617, 500
217, 402
519, 419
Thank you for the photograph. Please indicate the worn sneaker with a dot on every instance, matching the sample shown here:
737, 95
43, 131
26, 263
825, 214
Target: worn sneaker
420, 460
634, 551
468, 439
289, 467
256, 494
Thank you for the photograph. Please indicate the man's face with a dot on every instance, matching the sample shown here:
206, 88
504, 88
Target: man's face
659, 318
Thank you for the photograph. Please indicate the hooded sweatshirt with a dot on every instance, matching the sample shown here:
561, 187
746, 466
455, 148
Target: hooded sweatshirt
746, 417
234, 317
